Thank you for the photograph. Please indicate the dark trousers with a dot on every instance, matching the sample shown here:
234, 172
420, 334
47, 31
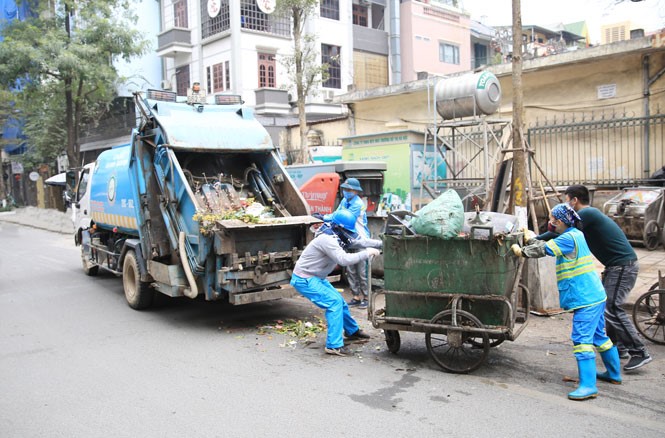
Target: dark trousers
618, 282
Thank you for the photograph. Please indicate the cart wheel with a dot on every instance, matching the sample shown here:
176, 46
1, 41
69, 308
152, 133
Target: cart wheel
458, 351
648, 318
392, 340
651, 235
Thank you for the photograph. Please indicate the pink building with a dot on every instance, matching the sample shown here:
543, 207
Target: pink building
435, 39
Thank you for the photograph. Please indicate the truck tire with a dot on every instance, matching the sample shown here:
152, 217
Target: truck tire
138, 293
89, 268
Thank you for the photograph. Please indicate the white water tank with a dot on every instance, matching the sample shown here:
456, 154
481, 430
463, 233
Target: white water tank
468, 95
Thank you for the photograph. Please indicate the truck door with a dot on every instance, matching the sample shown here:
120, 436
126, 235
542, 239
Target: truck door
81, 206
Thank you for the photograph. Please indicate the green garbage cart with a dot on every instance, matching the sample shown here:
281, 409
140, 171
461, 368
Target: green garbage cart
463, 293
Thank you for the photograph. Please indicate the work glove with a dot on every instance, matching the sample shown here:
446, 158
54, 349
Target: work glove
528, 234
319, 216
515, 248
373, 252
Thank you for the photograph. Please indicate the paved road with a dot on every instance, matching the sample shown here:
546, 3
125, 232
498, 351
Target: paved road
76, 361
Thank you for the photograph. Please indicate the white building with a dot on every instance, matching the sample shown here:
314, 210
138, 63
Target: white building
236, 47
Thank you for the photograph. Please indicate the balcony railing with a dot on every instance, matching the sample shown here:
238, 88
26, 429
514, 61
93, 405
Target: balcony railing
173, 41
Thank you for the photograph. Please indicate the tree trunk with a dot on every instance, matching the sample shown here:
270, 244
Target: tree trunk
72, 154
302, 117
518, 200
301, 91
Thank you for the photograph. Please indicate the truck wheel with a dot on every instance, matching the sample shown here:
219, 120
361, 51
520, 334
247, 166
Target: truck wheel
138, 294
88, 267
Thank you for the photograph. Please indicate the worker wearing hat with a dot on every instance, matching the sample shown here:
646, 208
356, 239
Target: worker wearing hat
356, 275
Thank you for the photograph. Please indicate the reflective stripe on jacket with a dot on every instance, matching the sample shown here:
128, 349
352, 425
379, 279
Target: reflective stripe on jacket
579, 284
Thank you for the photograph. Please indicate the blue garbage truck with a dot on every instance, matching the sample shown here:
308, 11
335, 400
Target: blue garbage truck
197, 203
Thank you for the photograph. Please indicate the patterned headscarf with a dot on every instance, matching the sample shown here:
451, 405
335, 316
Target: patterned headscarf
566, 214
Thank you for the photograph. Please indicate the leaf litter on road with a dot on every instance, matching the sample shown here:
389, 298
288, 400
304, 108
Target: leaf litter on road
303, 331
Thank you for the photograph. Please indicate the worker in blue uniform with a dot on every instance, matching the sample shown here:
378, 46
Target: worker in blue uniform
356, 275
329, 248
580, 291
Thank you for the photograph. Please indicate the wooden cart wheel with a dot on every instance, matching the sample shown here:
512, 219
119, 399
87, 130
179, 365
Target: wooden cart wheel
457, 350
651, 235
648, 318
392, 340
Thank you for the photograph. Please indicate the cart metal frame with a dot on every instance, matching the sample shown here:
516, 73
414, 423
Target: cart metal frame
468, 338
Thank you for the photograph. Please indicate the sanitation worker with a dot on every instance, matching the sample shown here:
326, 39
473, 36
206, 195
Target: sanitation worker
356, 274
580, 291
329, 248
611, 247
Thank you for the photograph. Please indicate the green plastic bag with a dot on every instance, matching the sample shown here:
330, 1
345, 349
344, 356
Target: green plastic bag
443, 217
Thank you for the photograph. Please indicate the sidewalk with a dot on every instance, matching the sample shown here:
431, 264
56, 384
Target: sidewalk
59, 222
44, 219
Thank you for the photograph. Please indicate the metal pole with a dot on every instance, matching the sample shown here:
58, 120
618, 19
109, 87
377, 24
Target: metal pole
487, 158
647, 114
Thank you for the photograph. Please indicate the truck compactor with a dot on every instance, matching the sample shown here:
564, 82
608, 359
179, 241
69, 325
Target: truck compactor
198, 203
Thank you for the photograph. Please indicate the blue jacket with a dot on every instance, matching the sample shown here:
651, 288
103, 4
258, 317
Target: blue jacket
579, 284
357, 207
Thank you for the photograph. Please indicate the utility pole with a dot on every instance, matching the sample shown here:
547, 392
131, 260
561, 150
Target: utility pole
2, 178
518, 197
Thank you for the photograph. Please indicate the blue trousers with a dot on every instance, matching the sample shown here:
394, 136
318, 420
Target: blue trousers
589, 332
320, 292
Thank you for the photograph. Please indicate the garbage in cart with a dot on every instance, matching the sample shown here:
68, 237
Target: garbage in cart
461, 290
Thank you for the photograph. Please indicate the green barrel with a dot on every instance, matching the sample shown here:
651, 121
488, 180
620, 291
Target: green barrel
448, 266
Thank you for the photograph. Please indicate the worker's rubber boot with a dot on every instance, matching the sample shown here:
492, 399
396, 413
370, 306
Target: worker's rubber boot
613, 366
587, 371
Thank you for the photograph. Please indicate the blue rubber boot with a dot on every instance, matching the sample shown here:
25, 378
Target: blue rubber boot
613, 366
587, 389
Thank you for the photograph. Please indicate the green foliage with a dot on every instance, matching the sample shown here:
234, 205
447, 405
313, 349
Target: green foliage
304, 67
63, 58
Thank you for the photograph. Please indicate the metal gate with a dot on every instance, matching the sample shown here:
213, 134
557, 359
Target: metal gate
599, 149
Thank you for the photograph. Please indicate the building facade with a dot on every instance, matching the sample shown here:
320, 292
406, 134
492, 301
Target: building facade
238, 46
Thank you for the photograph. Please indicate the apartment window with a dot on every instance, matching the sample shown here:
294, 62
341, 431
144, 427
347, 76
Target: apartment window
213, 25
369, 70
448, 53
180, 13
360, 15
331, 55
267, 70
330, 9
479, 55
217, 79
614, 34
227, 75
182, 80
252, 18
208, 80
